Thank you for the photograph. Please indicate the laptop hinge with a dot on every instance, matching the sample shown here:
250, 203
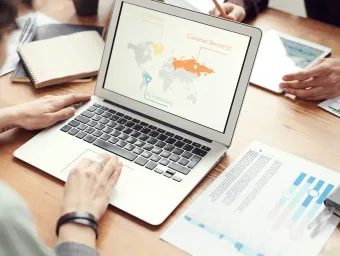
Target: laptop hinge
158, 121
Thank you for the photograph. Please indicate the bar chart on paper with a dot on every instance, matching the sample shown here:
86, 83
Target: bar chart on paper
238, 245
296, 208
300, 203
261, 205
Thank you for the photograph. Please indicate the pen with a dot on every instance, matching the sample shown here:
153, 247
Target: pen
219, 8
27, 23
31, 31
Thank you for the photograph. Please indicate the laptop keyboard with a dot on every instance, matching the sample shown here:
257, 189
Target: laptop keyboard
137, 141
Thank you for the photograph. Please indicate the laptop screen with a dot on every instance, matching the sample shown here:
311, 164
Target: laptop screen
183, 67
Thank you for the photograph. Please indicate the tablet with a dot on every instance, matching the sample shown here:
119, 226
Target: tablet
280, 54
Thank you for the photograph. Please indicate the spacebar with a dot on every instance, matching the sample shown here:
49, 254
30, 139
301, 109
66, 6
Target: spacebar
179, 168
115, 150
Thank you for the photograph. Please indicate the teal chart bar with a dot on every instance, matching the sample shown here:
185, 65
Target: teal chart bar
302, 199
239, 246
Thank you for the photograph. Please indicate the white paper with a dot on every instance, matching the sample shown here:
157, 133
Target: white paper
203, 6
12, 56
332, 106
260, 205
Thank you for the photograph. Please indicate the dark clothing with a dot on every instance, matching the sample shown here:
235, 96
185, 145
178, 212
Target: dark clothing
324, 10
252, 7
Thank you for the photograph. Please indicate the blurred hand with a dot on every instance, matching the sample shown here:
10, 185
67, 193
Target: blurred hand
46, 111
322, 81
89, 186
234, 12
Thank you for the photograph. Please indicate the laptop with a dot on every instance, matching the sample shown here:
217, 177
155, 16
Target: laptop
167, 100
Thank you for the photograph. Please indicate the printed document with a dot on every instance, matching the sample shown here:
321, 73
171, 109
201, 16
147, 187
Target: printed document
260, 205
332, 106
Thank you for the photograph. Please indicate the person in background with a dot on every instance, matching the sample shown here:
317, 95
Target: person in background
88, 188
326, 11
241, 10
322, 81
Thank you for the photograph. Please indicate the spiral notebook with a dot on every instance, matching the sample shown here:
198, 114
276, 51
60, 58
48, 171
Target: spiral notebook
62, 59
47, 32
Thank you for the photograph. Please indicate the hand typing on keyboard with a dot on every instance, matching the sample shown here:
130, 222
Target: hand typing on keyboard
88, 189
41, 113
90, 183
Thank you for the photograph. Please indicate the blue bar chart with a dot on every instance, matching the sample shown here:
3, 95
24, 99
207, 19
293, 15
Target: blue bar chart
300, 202
239, 246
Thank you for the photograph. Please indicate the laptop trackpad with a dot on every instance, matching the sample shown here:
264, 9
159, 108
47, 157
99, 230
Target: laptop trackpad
88, 154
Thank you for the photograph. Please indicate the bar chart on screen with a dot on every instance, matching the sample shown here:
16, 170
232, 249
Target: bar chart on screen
260, 205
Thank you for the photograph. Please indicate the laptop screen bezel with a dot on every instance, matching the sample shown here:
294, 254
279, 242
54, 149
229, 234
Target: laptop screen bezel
184, 124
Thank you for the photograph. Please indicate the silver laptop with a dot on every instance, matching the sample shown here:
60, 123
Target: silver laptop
168, 96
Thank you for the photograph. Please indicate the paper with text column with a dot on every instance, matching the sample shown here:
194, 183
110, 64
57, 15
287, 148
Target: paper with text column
332, 106
260, 205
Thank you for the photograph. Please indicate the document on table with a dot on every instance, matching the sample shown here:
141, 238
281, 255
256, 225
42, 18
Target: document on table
332, 106
12, 56
260, 205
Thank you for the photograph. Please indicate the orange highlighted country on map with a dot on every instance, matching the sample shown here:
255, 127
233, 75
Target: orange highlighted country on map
191, 65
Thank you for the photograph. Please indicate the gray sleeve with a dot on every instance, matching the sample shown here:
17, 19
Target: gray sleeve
18, 235
17, 231
74, 249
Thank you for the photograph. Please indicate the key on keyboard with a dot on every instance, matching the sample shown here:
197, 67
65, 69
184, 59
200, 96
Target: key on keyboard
74, 123
66, 128
151, 165
115, 150
141, 161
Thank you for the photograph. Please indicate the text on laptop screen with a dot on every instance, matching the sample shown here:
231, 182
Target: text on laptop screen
180, 66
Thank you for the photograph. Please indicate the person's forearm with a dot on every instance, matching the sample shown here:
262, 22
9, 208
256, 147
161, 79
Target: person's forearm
7, 119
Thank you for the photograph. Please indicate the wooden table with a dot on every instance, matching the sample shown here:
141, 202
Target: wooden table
295, 126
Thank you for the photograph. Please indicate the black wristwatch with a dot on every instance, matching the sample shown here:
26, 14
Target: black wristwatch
82, 218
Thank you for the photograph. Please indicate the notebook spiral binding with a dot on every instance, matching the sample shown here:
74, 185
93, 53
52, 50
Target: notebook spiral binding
27, 67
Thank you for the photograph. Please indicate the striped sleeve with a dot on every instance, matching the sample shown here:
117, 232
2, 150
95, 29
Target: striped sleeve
74, 249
